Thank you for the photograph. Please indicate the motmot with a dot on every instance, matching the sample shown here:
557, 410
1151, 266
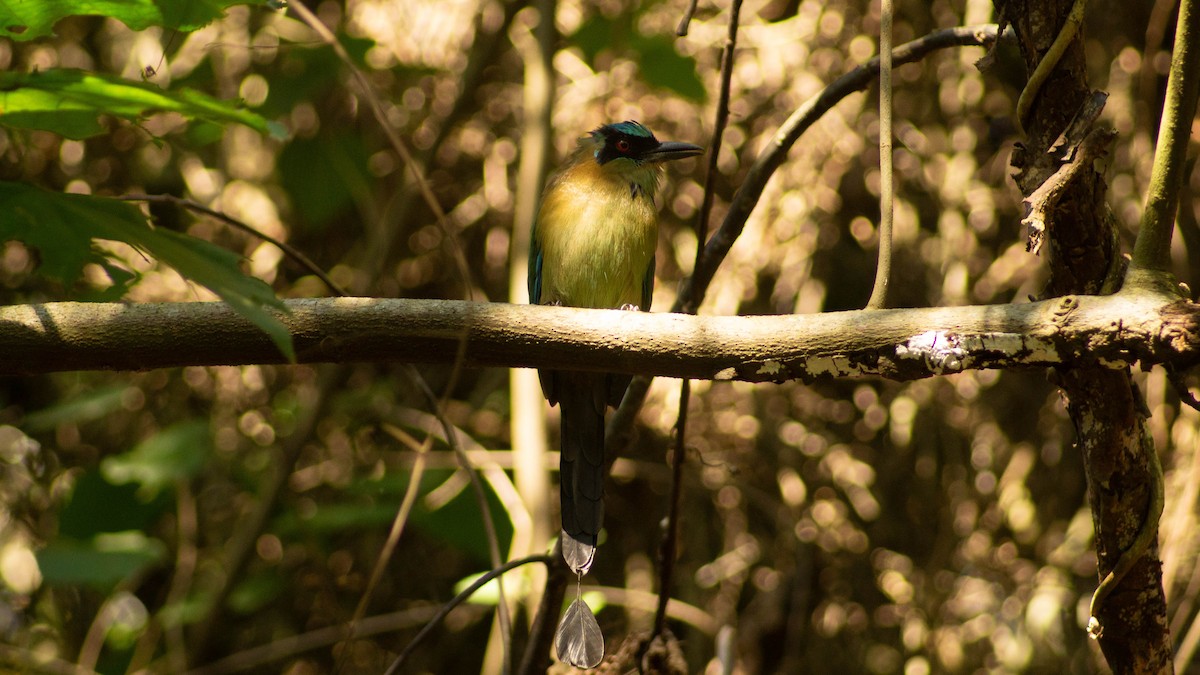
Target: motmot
593, 245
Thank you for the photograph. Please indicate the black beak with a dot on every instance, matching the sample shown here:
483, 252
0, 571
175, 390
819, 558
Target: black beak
670, 150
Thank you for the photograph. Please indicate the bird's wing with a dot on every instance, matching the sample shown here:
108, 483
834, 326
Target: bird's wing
648, 287
535, 267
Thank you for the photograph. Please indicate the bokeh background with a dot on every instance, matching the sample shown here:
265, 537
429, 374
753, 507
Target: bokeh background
937, 526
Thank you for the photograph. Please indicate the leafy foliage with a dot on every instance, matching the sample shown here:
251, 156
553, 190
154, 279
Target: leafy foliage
173, 454
70, 103
101, 562
25, 20
865, 526
63, 226
658, 59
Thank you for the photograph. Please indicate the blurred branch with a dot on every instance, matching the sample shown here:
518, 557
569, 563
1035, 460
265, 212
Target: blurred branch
883, 269
289, 250
489, 526
1156, 32
458, 600
316, 639
541, 633
671, 531
719, 124
682, 29
29, 662
676, 610
1152, 250
421, 450
463, 270
183, 575
666, 562
897, 344
1187, 647
528, 423
483, 54
804, 117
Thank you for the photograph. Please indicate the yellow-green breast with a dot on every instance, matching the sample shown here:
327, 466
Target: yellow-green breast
598, 229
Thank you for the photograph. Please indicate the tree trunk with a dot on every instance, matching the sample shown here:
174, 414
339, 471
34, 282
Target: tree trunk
1104, 404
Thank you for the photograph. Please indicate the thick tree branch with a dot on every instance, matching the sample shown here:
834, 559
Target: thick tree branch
898, 344
1124, 478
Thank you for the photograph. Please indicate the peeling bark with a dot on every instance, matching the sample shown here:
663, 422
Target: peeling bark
1147, 326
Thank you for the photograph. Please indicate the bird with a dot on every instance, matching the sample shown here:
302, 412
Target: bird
593, 245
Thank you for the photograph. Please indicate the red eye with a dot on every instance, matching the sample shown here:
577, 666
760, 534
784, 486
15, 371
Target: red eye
622, 146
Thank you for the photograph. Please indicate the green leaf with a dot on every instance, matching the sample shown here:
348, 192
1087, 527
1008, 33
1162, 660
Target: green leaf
459, 523
594, 35
176, 453
28, 19
323, 174
312, 72
92, 405
62, 227
662, 66
658, 61
336, 519
97, 506
101, 562
69, 102
256, 591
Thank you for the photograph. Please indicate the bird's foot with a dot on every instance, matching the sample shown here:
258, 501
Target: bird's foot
630, 307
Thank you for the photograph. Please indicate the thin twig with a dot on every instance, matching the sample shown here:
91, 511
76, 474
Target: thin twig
666, 563
883, 269
182, 576
289, 250
671, 533
722, 120
644, 601
1152, 250
489, 526
682, 29
175, 659
1156, 31
526, 403
256, 657
398, 145
747, 196
536, 659
458, 600
421, 450
29, 662
459, 256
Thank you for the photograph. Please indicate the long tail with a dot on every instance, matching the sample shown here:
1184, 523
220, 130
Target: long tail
583, 398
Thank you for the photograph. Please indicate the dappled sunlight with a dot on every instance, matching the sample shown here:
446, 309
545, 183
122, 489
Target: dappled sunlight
865, 525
